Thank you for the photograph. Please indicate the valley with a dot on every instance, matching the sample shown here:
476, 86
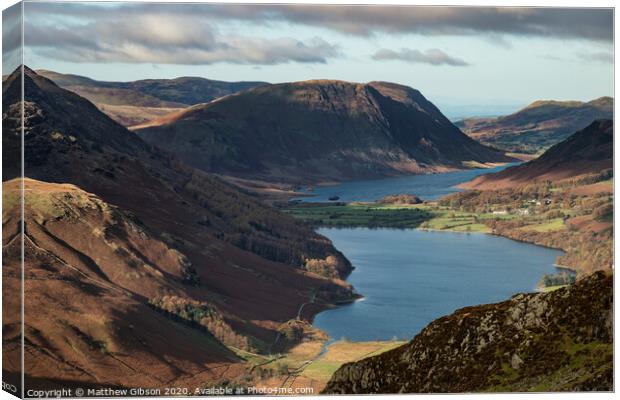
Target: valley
233, 247
570, 214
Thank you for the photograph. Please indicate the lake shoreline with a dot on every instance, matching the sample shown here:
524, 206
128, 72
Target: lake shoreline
386, 277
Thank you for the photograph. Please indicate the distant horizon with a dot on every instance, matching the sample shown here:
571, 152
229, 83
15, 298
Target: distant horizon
451, 108
490, 56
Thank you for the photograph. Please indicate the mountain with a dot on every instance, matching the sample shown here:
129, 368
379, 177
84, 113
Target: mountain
319, 130
544, 342
539, 125
90, 268
136, 102
125, 244
588, 151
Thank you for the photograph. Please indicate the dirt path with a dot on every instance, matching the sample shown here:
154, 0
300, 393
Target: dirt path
301, 308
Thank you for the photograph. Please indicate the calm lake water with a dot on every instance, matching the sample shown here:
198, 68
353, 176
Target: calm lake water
427, 187
411, 277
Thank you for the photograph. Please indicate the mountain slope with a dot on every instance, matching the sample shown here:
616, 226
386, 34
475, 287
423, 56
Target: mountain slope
587, 151
136, 102
145, 226
317, 130
557, 341
89, 268
537, 126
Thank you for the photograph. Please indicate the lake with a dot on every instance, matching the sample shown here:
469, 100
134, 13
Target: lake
411, 277
427, 187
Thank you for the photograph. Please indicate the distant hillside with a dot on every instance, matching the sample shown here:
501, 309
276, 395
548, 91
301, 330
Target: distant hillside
587, 151
136, 102
539, 125
545, 342
318, 130
145, 248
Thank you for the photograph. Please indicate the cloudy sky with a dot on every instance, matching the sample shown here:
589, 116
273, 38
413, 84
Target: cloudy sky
494, 58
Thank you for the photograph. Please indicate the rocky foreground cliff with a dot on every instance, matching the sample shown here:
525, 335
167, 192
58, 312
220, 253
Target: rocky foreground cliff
557, 341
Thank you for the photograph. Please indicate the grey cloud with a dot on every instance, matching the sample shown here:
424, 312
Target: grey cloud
598, 56
153, 38
575, 23
430, 56
187, 33
11, 38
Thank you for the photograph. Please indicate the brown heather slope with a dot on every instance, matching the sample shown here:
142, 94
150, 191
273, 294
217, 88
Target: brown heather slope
539, 125
89, 268
318, 130
143, 225
557, 341
587, 151
136, 102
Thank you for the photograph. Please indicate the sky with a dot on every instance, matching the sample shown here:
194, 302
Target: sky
470, 61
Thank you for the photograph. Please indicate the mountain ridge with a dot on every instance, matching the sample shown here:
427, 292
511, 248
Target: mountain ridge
136, 102
587, 151
318, 130
539, 125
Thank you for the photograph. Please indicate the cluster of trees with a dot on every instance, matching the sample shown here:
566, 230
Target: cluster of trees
203, 316
235, 217
292, 331
588, 179
400, 199
559, 279
327, 267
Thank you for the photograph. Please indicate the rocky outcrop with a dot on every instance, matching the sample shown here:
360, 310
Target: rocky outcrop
557, 341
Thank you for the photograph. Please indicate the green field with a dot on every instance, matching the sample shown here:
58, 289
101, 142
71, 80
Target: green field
342, 352
548, 226
361, 215
552, 288
374, 215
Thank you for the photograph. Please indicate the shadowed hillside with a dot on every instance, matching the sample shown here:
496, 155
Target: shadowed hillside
539, 125
587, 151
142, 239
90, 268
316, 131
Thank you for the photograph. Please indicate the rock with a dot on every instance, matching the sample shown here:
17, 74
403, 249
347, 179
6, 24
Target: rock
516, 361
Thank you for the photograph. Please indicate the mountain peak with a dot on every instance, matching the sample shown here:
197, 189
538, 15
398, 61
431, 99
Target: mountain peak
559, 103
318, 130
538, 126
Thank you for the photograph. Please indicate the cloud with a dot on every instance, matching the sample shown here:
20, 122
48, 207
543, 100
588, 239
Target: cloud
430, 56
599, 56
177, 33
164, 39
572, 23
11, 38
